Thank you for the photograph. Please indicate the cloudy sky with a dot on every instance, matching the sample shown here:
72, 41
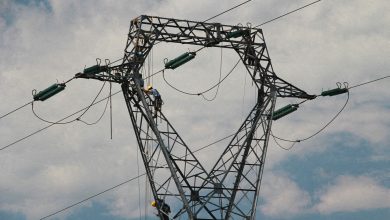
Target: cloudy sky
342, 173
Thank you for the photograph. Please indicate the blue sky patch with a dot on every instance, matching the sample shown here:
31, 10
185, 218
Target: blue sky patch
11, 216
9, 14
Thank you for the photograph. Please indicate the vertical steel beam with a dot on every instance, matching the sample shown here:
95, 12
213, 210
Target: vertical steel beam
164, 150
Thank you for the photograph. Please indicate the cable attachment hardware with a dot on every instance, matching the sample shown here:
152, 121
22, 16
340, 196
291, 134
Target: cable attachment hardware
107, 62
337, 91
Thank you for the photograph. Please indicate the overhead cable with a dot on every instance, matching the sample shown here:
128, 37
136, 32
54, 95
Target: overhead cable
219, 80
295, 10
59, 121
78, 117
101, 116
127, 181
232, 8
279, 145
200, 93
331, 121
361, 84
16, 109
48, 126
5, 115
319, 131
93, 196
217, 15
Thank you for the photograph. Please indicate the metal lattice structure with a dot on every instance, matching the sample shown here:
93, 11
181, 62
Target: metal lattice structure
230, 190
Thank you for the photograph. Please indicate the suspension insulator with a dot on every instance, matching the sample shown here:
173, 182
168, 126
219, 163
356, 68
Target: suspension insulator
183, 61
49, 92
95, 69
180, 60
169, 63
333, 92
284, 111
237, 33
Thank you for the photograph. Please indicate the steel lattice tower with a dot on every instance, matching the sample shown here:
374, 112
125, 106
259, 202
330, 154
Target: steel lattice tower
230, 190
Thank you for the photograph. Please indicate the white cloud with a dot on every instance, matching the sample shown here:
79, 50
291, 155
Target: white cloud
283, 198
352, 194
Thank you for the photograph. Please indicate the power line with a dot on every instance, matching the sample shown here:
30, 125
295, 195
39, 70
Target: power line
281, 16
206, 146
219, 79
16, 109
48, 126
116, 186
59, 121
284, 148
144, 174
162, 70
217, 15
217, 141
200, 93
127, 181
100, 117
331, 121
44, 128
31, 102
79, 117
361, 84
230, 9
316, 133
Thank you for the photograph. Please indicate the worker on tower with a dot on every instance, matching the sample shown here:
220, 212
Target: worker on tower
163, 207
157, 101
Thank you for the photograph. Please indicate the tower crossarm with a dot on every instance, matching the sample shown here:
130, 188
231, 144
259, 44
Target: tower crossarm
258, 63
146, 31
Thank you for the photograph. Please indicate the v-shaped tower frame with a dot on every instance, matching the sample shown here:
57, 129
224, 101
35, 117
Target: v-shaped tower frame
230, 190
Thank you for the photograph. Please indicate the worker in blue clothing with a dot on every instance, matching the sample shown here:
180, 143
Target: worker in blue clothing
157, 101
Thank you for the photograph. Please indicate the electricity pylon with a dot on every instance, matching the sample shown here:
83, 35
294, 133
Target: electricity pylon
230, 190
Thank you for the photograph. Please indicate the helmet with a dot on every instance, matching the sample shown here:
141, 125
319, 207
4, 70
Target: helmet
149, 87
154, 204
